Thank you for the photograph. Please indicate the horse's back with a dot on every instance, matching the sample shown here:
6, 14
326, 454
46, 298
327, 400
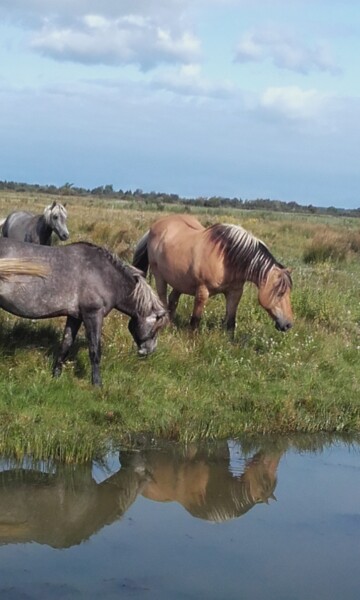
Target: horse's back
78, 277
176, 228
178, 248
16, 225
181, 224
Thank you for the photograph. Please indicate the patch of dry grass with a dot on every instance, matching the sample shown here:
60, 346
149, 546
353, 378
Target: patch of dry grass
329, 244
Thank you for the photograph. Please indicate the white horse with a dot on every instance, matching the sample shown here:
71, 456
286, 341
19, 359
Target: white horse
24, 226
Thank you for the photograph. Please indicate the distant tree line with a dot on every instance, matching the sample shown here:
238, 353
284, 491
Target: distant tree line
161, 198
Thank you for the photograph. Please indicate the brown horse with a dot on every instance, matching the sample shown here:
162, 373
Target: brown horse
204, 262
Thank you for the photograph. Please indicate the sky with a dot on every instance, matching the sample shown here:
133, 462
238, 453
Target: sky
233, 98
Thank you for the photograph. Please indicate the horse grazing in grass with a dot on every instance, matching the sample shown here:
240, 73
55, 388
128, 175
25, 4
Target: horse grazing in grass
219, 259
24, 226
84, 283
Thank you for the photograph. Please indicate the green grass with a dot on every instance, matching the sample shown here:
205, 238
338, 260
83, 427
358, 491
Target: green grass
196, 385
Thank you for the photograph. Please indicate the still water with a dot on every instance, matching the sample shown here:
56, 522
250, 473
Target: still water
250, 519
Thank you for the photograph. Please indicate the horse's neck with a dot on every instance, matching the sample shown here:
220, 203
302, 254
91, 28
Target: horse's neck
124, 295
44, 231
258, 270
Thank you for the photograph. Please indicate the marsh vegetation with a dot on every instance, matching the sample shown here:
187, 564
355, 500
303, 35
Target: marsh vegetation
195, 385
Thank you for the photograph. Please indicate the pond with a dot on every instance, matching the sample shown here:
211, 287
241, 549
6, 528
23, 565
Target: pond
274, 518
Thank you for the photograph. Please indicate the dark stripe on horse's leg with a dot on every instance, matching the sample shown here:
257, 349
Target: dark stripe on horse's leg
233, 298
173, 303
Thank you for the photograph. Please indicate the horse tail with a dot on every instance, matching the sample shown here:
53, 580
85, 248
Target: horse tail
141, 257
22, 266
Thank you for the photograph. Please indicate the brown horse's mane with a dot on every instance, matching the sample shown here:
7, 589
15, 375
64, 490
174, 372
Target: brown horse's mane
247, 254
145, 298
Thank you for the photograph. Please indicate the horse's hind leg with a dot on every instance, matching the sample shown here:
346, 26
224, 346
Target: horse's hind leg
71, 328
93, 325
173, 303
201, 297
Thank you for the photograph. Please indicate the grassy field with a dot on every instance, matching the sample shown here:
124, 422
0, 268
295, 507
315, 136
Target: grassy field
200, 385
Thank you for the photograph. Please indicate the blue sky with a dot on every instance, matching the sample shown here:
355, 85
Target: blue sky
235, 98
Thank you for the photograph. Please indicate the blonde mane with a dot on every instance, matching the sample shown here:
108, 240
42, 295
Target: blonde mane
245, 252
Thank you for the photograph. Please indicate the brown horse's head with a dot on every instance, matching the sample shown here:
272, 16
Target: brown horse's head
274, 297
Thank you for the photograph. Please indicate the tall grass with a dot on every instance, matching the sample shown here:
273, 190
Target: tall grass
332, 245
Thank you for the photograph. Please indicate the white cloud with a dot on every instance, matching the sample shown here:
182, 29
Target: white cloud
145, 32
285, 51
292, 102
95, 39
189, 81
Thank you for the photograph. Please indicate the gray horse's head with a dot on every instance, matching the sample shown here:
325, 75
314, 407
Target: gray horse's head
149, 315
144, 330
55, 216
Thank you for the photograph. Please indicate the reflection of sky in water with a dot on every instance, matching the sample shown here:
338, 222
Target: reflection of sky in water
103, 470
305, 545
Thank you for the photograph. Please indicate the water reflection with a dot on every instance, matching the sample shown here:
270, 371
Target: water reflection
62, 505
206, 487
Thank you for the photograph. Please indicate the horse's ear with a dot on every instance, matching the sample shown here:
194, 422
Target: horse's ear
64, 205
53, 205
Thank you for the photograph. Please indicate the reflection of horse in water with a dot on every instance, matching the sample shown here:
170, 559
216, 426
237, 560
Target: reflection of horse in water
207, 489
65, 507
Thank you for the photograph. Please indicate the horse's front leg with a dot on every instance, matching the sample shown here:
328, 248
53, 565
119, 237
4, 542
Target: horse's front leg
161, 286
93, 325
71, 328
201, 297
173, 303
233, 298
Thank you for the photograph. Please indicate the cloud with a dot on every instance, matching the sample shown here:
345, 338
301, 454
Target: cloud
292, 102
131, 39
62, 10
285, 51
145, 33
189, 81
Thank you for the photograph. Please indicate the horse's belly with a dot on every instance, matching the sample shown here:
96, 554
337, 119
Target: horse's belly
24, 300
179, 279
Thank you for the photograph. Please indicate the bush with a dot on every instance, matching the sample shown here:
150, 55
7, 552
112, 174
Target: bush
330, 245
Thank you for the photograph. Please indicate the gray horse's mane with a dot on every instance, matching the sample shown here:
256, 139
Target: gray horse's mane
146, 301
247, 254
145, 298
53, 209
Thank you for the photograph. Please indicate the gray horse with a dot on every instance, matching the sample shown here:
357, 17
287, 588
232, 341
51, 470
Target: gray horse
84, 283
24, 226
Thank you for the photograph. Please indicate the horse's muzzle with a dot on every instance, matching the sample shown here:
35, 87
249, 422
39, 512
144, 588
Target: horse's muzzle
283, 325
147, 347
